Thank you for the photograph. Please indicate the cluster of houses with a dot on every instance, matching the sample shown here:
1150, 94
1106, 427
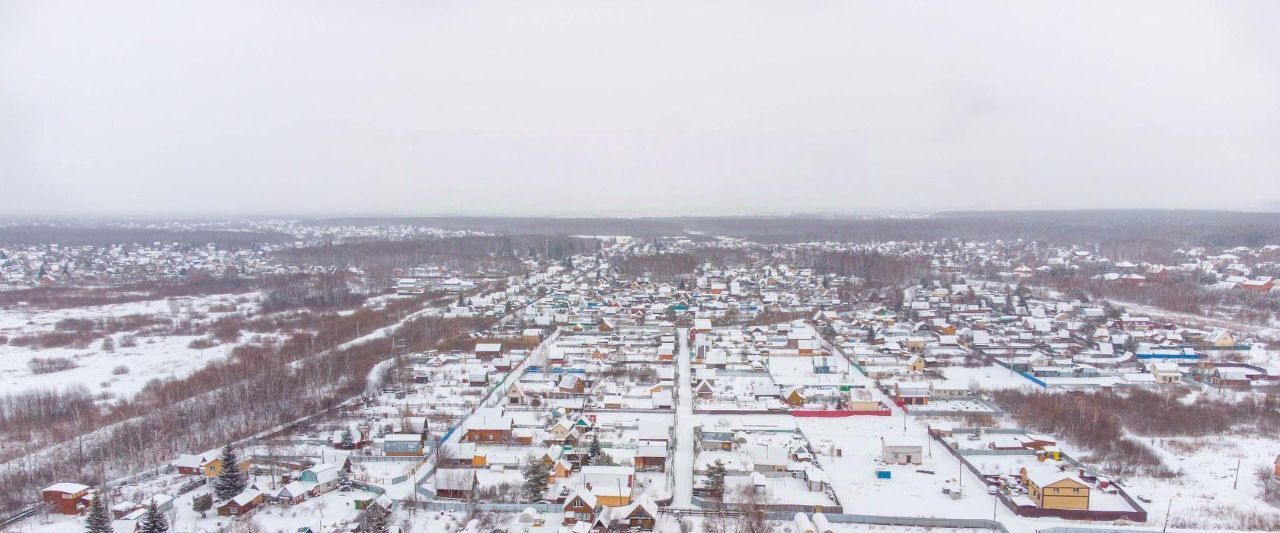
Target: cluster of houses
777, 367
581, 377
776, 458
53, 264
603, 388
1065, 343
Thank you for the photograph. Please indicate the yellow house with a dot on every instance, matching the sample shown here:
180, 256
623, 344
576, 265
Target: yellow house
1220, 338
794, 397
561, 430
214, 468
915, 363
561, 470
1053, 490
480, 460
616, 496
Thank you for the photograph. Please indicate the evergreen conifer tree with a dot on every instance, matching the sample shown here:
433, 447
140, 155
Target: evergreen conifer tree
595, 450
536, 474
231, 480
715, 478
99, 520
344, 480
202, 503
153, 521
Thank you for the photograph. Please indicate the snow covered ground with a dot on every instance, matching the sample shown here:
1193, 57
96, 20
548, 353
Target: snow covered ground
152, 357
1208, 494
992, 377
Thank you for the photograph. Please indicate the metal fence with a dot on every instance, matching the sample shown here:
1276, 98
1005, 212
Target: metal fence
909, 521
385, 458
769, 507
148, 474
917, 521
442, 505
987, 451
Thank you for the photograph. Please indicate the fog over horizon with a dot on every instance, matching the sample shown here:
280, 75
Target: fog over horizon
635, 108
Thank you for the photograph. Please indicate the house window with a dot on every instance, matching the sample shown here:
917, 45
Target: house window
1075, 491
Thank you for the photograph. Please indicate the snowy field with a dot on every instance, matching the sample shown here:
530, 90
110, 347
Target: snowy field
1208, 493
993, 377
152, 357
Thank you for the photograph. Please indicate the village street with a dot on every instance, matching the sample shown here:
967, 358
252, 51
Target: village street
684, 426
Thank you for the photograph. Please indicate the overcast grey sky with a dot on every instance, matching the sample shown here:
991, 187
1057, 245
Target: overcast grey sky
625, 108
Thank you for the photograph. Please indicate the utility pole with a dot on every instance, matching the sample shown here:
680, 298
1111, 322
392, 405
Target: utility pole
1236, 484
1166, 514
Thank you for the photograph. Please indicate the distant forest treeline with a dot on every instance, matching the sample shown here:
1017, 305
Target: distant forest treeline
1137, 233
1166, 228
379, 258
1161, 229
647, 227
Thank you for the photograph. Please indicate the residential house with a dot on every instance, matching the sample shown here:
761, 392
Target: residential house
654, 433
402, 444
641, 514
1054, 490
1220, 338
487, 426
455, 484
1230, 377
293, 492
913, 392
66, 498
766, 458
582, 506
488, 350
321, 478
192, 465
213, 468
1166, 372
794, 396
899, 452
241, 504
651, 458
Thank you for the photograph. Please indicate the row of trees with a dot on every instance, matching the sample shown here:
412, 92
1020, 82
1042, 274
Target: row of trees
663, 266
228, 401
875, 268
106, 236
1184, 227
197, 284
1179, 292
1099, 421
319, 291
379, 259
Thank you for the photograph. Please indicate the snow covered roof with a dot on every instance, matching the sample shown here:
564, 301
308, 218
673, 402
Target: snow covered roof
69, 488
246, 497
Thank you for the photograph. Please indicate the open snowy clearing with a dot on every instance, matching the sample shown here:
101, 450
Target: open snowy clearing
124, 370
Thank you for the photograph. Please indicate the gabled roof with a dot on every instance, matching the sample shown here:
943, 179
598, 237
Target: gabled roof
643, 505
587, 497
455, 479
190, 461
246, 497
